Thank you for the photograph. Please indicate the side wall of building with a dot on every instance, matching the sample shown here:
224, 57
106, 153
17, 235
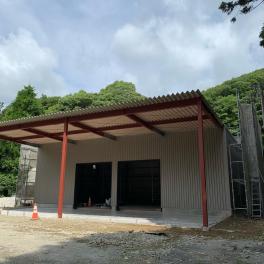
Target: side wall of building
178, 154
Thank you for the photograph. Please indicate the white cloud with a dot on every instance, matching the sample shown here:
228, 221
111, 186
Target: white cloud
23, 61
187, 49
161, 45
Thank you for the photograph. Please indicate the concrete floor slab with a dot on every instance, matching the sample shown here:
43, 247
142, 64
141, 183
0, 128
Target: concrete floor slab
183, 219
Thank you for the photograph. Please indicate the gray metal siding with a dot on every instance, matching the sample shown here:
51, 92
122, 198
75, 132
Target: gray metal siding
178, 154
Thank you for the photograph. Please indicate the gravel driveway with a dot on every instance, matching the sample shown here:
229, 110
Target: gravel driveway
72, 241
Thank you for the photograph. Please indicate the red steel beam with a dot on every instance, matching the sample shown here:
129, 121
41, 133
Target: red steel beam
207, 111
146, 124
42, 133
136, 109
17, 140
93, 130
54, 134
30, 137
202, 164
213, 119
115, 112
124, 126
157, 122
63, 168
31, 124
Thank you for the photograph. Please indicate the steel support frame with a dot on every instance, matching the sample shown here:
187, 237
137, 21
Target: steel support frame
129, 111
202, 172
124, 126
146, 124
42, 133
17, 140
93, 130
63, 168
116, 112
39, 133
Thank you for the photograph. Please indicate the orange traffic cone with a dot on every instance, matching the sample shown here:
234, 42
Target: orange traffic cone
35, 212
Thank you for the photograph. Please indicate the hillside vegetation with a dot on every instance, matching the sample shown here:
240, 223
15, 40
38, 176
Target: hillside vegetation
223, 97
27, 104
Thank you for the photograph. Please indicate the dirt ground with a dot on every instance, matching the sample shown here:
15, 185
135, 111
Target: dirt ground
22, 240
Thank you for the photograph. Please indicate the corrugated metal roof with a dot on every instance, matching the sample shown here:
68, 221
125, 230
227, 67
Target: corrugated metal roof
129, 104
112, 118
169, 113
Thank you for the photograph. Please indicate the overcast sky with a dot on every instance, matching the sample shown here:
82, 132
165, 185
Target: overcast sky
163, 46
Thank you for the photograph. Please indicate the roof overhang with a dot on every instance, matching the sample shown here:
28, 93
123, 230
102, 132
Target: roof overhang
160, 115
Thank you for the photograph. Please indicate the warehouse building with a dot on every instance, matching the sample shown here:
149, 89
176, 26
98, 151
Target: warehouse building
167, 154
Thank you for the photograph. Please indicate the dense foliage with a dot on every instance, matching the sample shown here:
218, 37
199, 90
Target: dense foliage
9, 154
117, 92
27, 104
223, 97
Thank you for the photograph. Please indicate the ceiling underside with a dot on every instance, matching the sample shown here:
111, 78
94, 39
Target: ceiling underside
159, 121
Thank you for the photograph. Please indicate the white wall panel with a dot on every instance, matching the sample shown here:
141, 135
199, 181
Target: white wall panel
178, 154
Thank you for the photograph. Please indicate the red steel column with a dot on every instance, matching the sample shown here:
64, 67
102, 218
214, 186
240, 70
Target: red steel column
202, 164
63, 168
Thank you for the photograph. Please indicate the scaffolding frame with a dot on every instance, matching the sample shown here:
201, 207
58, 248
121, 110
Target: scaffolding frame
234, 180
25, 181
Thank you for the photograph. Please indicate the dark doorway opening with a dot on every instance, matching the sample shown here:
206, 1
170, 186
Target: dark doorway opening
92, 180
139, 183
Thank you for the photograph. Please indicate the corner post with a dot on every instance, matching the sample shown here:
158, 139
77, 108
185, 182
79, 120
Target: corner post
63, 168
114, 185
202, 164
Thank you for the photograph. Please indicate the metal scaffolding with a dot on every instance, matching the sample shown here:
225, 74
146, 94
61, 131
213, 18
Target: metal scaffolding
246, 165
26, 176
238, 181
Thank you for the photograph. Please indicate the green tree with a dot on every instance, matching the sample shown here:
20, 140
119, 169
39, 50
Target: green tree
9, 155
243, 7
48, 102
75, 101
223, 97
26, 104
1, 107
117, 92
